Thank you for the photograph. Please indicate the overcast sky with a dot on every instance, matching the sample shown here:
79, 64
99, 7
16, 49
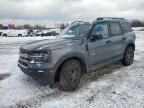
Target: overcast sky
50, 11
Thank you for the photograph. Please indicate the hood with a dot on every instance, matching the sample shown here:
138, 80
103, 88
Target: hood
52, 44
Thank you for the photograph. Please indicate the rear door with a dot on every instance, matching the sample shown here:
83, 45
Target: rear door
118, 38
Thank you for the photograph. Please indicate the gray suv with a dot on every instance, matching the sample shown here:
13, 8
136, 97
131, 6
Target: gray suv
81, 48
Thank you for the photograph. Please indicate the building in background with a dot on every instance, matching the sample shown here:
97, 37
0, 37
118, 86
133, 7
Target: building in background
5, 27
1, 26
27, 26
11, 26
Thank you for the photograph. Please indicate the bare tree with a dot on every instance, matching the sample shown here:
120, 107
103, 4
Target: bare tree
136, 23
63, 25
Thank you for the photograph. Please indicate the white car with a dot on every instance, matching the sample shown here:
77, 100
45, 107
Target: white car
13, 33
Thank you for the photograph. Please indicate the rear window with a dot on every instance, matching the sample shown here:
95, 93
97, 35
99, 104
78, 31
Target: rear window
126, 27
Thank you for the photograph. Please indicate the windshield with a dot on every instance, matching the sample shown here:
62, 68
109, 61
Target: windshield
76, 30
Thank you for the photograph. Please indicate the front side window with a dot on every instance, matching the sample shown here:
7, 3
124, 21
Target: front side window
115, 29
100, 28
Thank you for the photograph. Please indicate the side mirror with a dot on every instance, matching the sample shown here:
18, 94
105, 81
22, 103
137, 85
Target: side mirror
96, 36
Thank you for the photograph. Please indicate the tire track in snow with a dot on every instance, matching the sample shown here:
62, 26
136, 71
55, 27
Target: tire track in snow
107, 72
42, 96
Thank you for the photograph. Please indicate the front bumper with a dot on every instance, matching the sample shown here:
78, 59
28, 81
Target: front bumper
39, 72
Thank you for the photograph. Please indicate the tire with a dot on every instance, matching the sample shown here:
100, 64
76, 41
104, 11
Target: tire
4, 35
70, 75
19, 35
128, 56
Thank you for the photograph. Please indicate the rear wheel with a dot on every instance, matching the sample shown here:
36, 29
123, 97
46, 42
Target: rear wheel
19, 35
70, 75
128, 56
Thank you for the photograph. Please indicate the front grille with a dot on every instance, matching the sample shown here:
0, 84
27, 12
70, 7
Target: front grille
24, 64
24, 57
24, 54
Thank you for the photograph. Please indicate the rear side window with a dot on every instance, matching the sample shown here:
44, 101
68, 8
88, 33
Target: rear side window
115, 28
126, 27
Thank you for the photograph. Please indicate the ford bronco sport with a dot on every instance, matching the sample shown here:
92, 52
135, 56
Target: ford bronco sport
81, 48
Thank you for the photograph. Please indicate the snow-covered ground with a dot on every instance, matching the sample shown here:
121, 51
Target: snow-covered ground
10, 45
113, 86
23, 39
138, 28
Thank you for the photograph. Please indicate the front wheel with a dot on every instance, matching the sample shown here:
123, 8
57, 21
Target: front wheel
128, 56
70, 75
4, 35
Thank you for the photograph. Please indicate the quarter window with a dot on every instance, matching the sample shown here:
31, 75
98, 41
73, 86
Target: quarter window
115, 29
126, 27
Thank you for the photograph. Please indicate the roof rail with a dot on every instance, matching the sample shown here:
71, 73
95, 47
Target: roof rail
109, 18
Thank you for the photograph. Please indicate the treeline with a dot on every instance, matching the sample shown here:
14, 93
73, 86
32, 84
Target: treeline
137, 23
27, 26
134, 23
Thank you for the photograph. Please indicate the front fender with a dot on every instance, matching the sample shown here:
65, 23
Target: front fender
67, 56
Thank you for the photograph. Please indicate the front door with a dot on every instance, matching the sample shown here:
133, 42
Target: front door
100, 52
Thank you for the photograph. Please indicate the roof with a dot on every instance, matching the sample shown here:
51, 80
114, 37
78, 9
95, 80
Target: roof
110, 18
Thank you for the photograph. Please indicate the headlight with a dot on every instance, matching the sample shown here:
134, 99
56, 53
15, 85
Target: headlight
40, 57
45, 56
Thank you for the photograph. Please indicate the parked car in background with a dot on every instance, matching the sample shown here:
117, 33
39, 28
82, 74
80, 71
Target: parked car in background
14, 33
0, 33
30, 32
38, 32
50, 32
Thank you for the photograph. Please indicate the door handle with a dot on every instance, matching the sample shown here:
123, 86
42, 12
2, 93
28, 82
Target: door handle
108, 42
124, 38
